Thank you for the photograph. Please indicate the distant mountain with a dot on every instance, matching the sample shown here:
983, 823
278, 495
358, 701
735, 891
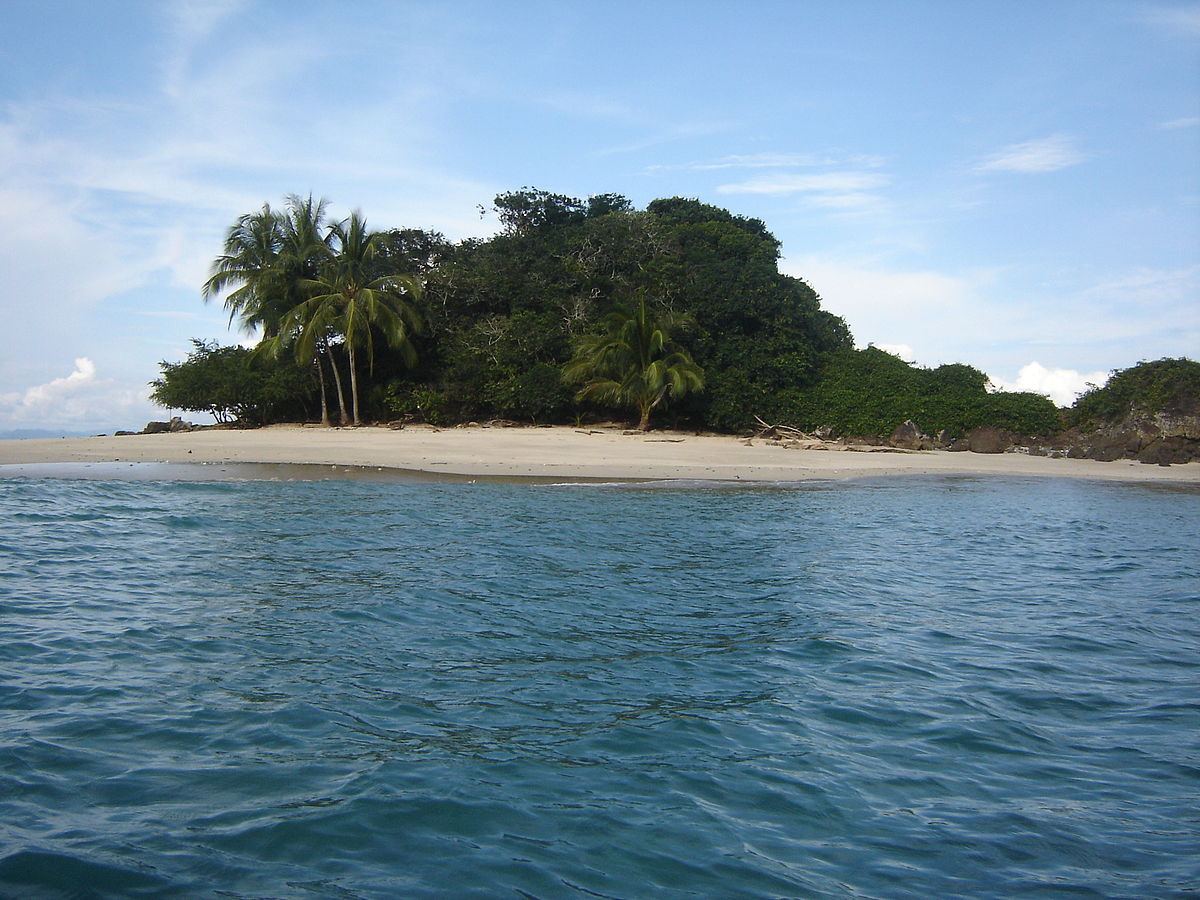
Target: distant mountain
23, 433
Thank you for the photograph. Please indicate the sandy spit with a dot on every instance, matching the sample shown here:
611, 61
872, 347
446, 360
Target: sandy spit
559, 452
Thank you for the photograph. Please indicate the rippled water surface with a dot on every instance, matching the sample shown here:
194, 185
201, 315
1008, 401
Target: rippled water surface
906, 688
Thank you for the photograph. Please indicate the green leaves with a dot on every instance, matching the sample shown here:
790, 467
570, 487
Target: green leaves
1170, 386
233, 383
870, 392
635, 362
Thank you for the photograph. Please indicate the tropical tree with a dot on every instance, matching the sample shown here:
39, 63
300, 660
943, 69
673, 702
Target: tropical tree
355, 297
270, 259
250, 263
635, 362
233, 384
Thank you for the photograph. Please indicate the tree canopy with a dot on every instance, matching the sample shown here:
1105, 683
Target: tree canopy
1170, 386
509, 327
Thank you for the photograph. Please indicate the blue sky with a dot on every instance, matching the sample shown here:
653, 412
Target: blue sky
1014, 185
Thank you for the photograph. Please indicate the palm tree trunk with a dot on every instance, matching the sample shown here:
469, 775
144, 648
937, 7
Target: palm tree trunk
353, 381
644, 424
341, 395
324, 402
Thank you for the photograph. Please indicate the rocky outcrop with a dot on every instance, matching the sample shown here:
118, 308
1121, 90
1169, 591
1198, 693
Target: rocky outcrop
908, 436
988, 440
1159, 440
175, 425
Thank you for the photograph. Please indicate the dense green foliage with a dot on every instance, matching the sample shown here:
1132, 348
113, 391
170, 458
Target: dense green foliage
505, 315
233, 383
1165, 385
509, 327
870, 392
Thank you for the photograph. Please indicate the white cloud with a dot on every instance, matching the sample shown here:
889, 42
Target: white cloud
1062, 386
921, 313
77, 401
1032, 157
903, 351
1186, 122
83, 375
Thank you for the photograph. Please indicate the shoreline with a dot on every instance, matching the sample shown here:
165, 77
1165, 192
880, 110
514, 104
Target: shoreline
555, 453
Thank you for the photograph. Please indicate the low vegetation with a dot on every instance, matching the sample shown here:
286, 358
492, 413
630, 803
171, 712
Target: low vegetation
1165, 386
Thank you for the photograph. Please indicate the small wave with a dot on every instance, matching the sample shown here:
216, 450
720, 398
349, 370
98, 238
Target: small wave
37, 873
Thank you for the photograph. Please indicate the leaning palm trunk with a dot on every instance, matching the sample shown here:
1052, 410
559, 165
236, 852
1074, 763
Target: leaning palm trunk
648, 407
341, 394
324, 402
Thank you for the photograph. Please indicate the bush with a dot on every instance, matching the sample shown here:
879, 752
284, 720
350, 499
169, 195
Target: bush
537, 392
870, 392
403, 398
1169, 386
233, 383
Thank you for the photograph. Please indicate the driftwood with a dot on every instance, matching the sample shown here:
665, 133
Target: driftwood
770, 432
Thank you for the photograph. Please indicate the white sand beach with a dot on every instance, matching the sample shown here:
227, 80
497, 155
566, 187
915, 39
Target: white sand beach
559, 452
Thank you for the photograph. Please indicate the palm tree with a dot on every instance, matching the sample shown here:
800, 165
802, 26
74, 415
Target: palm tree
250, 262
353, 296
635, 363
272, 258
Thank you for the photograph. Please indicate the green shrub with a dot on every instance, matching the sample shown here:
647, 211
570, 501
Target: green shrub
1169, 386
233, 383
870, 392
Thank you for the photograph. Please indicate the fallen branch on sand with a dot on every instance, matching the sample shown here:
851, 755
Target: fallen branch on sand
781, 432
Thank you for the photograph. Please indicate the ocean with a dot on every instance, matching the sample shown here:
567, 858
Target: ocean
906, 687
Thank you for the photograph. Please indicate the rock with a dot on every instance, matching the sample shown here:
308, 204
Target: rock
1157, 453
177, 424
962, 445
1170, 450
988, 440
1104, 453
156, 428
908, 436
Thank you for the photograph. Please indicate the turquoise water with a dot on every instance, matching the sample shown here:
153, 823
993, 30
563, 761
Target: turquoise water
905, 688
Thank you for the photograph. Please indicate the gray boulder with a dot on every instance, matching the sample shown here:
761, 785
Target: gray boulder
988, 440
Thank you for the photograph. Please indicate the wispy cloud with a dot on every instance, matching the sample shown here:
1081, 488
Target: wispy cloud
1186, 122
825, 182
1180, 19
656, 137
831, 190
1032, 157
772, 161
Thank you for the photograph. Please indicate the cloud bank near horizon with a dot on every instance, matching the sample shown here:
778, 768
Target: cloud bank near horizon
76, 401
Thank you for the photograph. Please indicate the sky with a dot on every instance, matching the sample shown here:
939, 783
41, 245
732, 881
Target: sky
1012, 184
